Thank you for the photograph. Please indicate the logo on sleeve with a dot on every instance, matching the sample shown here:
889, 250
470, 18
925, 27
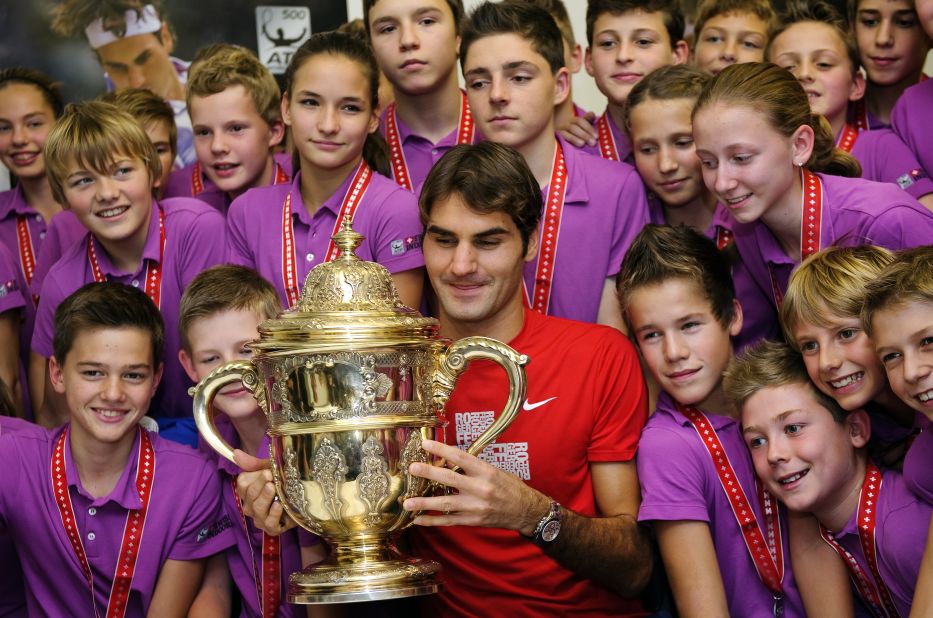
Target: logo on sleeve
7, 287
400, 246
910, 178
211, 531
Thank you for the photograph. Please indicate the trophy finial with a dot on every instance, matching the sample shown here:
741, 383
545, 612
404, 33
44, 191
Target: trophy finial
347, 240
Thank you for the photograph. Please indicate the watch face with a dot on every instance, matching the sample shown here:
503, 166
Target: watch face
550, 532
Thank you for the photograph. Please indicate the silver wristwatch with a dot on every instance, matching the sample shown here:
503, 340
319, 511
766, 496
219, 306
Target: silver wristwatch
548, 528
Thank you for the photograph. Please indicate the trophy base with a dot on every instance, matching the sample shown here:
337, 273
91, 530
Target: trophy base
333, 582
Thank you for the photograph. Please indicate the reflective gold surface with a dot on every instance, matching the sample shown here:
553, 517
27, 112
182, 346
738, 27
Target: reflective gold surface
351, 382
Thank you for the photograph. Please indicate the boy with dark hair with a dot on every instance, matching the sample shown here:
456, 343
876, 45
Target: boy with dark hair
810, 453
627, 40
102, 167
697, 481
133, 41
911, 114
416, 44
117, 495
513, 64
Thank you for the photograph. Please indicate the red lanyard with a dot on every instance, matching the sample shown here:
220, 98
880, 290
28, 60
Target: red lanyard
197, 185
767, 554
724, 237
847, 138
351, 202
132, 531
400, 173
860, 115
268, 584
875, 593
607, 142
811, 225
540, 297
27, 252
153, 269
811, 214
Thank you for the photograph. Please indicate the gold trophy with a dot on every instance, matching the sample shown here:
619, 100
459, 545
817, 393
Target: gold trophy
351, 381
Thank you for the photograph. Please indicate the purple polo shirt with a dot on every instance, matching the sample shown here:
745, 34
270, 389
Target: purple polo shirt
911, 119
64, 230
194, 241
679, 483
885, 158
855, 212
918, 473
14, 296
180, 183
421, 153
903, 521
387, 216
604, 209
245, 557
12, 597
622, 142
12, 205
185, 521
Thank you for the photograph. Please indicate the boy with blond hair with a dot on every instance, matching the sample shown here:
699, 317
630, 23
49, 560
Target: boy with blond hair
729, 32
122, 519
234, 102
102, 167
220, 314
810, 454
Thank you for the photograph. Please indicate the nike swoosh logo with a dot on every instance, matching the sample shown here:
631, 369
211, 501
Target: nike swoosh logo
528, 407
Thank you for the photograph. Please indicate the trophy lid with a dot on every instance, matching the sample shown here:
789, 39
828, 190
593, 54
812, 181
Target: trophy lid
346, 301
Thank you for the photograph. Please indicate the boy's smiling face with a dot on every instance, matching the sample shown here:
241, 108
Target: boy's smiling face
114, 204
903, 337
626, 47
108, 380
805, 458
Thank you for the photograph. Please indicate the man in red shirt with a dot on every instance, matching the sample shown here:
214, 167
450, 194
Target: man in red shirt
543, 521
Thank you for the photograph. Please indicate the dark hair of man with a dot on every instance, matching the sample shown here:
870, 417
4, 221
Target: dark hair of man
527, 21
488, 178
107, 305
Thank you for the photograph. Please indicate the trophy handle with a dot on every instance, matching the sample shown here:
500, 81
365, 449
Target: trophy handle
454, 361
204, 393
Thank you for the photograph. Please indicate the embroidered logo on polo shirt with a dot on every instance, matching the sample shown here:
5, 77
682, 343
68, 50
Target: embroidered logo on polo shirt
507, 456
400, 246
910, 178
7, 287
212, 531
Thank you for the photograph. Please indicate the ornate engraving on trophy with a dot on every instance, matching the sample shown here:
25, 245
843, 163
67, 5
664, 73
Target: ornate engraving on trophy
352, 382
294, 490
374, 479
329, 469
411, 453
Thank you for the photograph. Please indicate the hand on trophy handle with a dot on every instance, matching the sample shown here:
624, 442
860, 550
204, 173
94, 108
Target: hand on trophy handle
486, 496
256, 490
